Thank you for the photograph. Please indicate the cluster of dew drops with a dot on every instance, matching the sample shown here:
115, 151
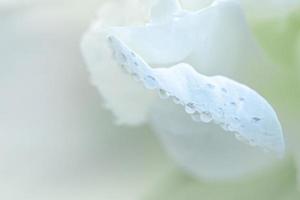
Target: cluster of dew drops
151, 83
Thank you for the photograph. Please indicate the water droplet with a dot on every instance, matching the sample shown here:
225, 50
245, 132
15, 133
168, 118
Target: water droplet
252, 142
230, 128
132, 54
211, 86
224, 90
224, 127
196, 117
110, 39
150, 82
256, 119
241, 99
233, 103
176, 100
123, 57
238, 137
135, 77
125, 68
163, 94
135, 63
206, 117
190, 108
236, 119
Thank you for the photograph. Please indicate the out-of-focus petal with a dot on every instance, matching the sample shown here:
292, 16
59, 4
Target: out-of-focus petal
255, 10
210, 39
126, 99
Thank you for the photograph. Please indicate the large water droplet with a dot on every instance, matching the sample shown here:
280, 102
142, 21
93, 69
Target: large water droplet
224, 127
196, 117
206, 117
163, 94
150, 82
190, 108
176, 100
238, 137
230, 128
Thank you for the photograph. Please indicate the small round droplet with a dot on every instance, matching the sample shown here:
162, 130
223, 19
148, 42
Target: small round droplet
210, 86
135, 77
132, 54
196, 117
123, 57
206, 117
230, 128
238, 137
224, 127
233, 103
176, 100
190, 108
256, 119
110, 39
252, 142
224, 90
163, 94
150, 82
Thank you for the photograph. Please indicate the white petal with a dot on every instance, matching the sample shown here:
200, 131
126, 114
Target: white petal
163, 10
176, 36
126, 99
204, 149
210, 39
232, 105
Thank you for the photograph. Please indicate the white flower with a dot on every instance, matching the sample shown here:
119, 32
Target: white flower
58, 143
215, 40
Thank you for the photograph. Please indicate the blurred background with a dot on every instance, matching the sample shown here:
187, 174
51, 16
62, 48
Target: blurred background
57, 141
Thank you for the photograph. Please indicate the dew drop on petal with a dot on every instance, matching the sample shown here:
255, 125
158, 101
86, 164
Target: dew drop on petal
206, 117
256, 119
196, 117
225, 127
238, 137
150, 82
190, 108
210, 86
224, 90
163, 94
135, 77
176, 100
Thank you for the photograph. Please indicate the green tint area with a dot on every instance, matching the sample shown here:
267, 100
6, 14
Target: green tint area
276, 184
279, 38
